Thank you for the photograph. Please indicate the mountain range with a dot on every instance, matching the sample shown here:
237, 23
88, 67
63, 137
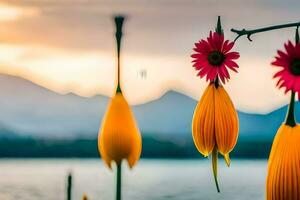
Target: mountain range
27, 109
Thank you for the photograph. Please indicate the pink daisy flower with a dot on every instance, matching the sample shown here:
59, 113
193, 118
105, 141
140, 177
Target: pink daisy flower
289, 63
213, 58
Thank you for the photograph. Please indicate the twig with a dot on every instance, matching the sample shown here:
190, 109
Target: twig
249, 33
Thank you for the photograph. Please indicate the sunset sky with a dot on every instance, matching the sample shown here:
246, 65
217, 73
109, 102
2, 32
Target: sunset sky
69, 46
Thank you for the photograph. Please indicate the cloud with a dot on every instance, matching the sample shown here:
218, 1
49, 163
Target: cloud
71, 43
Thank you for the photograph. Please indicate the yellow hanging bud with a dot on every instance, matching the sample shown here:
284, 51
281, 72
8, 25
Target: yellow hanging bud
283, 179
215, 125
119, 137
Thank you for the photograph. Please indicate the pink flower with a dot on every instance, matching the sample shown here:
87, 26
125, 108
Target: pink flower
289, 63
213, 57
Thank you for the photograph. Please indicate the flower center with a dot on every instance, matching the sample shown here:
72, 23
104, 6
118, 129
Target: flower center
216, 58
295, 67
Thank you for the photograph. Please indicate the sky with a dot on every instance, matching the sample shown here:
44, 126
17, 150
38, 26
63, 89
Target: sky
69, 46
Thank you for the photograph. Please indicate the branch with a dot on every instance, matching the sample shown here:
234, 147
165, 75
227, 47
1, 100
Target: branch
249, 33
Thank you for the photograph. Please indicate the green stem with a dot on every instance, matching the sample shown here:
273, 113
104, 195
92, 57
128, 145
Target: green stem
215, 167
214, 161
269, 28
217, 82
119, 24
69, 187
219, 30
290, 117
219, 26
119, 182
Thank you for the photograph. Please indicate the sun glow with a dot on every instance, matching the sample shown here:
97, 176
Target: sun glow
10, 13
60, 70
85, 73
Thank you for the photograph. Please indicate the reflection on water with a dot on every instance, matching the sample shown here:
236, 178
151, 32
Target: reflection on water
150, 180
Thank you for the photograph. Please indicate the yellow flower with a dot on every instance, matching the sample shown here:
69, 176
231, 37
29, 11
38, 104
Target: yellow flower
215, 125
283, 180
119, 137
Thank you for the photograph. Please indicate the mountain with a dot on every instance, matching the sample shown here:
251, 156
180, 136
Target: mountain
31, 110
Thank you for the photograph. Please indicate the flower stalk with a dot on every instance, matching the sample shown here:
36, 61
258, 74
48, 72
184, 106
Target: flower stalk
214, 154
214, 161
119, 182
219, 26
249, 33
219, 30
290, 117
69, 186
119, 24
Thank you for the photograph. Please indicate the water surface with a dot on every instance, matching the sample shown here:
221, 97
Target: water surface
150, 180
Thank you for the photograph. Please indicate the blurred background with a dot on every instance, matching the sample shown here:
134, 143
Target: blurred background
58, 71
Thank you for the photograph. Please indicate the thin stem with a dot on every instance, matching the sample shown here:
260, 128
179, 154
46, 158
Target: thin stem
269, 28
219, 26
217, 82
69, 187
119, 24
119, 182
219, 30
215, 167
290, 117
214, 160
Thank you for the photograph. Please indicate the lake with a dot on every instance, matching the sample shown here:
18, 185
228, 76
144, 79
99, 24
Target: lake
45, 179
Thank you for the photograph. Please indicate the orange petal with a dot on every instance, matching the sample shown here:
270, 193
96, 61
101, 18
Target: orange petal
283, 179
226, 122
203, 122
119, 137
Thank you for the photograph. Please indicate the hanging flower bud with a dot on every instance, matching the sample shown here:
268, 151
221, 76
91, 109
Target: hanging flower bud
215, 124
283, 180
215, 120
119, 137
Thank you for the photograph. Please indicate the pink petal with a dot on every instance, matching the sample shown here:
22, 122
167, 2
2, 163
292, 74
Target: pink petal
280, 73
282, 54
281, 63
225, 72
232, 55
231, 65
289, 48
221, 75
203, 72
211, 75
228, 46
